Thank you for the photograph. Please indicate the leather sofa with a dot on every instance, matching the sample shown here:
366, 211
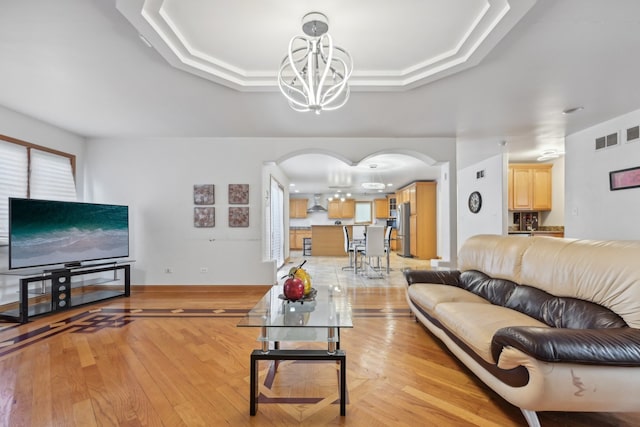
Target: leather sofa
550, 324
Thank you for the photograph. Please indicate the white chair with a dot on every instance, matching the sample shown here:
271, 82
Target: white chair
374, 250
350, 248
387, 245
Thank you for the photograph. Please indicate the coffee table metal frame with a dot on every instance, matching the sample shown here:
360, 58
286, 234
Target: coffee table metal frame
270, 315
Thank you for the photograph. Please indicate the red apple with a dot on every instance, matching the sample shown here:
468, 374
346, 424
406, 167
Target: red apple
293, 288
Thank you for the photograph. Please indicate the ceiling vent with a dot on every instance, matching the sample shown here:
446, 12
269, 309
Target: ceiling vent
633, 133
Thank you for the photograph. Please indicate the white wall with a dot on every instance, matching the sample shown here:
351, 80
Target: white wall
34, 131
592, 211
492, 218
156, 177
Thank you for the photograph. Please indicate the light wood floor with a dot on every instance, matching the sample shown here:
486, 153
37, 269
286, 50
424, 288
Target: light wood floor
174, 359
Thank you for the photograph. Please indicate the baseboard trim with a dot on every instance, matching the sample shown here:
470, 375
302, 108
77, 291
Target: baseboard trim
199, 288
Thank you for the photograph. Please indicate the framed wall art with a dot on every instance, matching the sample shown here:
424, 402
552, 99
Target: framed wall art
238, 194
624, 178
204, 217
203, 194
239, 217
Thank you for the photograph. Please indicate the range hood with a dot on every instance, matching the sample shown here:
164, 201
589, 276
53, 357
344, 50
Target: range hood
317, 207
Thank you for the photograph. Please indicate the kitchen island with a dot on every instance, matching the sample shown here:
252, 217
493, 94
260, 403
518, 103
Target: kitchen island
328, 240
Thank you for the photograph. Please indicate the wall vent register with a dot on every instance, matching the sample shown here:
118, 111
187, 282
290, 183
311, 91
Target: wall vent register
610, 140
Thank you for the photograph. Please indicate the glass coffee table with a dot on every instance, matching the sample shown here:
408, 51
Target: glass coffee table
317, 319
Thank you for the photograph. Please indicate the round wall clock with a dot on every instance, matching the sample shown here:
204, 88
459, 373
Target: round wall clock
475, 202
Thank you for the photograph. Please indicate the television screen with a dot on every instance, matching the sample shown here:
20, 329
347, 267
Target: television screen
46, 232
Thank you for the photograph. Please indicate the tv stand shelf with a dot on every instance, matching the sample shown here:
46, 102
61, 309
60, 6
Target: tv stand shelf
60, 289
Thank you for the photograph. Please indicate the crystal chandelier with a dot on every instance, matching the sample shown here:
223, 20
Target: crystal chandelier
314, 74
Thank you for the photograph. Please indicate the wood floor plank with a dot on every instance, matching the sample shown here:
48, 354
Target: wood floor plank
164, 358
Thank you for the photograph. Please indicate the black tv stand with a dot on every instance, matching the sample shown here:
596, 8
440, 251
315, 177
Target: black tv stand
73, 265
60, 291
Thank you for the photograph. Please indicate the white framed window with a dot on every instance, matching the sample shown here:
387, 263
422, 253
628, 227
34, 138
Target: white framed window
31, 171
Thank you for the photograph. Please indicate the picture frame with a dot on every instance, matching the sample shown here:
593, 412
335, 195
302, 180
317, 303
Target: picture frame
624, 179
239, 216
203, 194
204, 217
238, 194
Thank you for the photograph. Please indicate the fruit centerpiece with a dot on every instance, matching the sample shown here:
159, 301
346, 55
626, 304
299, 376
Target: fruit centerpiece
297, 284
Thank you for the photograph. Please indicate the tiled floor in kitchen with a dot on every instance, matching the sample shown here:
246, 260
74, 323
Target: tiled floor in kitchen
328, 270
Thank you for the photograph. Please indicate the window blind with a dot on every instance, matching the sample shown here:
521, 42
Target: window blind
51, 177
13, 179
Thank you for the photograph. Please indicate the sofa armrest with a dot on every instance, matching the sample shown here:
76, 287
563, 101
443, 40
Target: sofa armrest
609, 346
444, 277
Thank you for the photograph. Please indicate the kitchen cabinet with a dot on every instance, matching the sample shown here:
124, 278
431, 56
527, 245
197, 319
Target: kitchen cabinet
422, 222
381, 208
298, 208
530, 187
297, 236
393, 205
341, 210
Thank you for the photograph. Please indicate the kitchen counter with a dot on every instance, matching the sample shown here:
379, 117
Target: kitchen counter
550, 233
328, 240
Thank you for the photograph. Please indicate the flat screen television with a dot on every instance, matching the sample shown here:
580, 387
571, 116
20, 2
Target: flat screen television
47, 232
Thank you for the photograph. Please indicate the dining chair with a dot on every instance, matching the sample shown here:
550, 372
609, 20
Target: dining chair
374, 250
350, 248
387, 245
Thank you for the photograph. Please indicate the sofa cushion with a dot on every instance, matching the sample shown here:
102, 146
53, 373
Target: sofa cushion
606, 273
476, 323
442, 277
428, 296
496, 291
561, 312
497, 256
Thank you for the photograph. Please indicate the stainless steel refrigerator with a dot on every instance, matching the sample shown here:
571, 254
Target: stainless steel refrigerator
404, 245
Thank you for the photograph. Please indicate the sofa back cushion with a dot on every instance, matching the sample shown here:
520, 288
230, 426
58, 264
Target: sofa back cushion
562, 312
496, 291
498, 257
558, 312
606, 273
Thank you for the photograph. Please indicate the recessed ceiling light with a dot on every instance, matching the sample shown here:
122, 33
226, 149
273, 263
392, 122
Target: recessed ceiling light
292, 185
572, 110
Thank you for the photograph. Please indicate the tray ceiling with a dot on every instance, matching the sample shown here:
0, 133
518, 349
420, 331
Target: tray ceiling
395, 45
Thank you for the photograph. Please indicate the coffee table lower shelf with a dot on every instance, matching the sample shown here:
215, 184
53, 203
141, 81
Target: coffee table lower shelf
289, 354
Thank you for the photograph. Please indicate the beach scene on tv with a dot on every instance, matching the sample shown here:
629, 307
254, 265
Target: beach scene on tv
46, 232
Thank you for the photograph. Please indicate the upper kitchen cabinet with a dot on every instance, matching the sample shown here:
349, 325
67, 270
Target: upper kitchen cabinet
298, 208
381, 208
342, 210
530, 187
